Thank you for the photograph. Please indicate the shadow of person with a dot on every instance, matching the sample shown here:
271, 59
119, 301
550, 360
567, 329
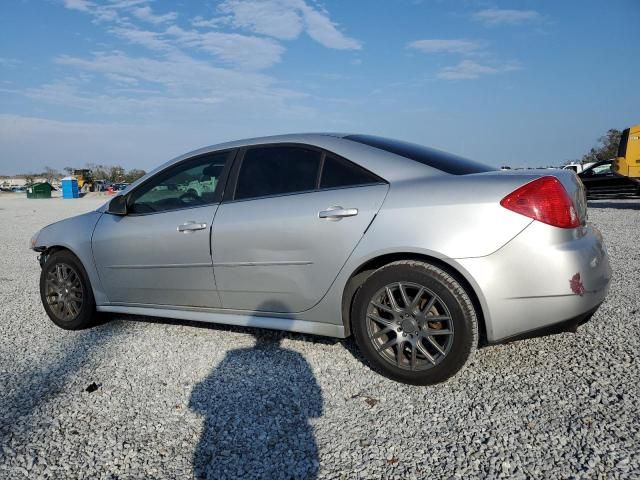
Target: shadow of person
256, 406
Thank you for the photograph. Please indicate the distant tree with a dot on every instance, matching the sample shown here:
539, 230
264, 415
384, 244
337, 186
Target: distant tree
606, 148
29, 178
68, 170
133, 175
98, 172
115, 173
50, 174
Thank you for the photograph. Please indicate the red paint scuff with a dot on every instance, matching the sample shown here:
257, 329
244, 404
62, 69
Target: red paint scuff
576, 285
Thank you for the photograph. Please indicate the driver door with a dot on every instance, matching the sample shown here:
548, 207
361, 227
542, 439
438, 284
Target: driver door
160, 253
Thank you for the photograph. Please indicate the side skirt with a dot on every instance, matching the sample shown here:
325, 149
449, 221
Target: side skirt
238, 319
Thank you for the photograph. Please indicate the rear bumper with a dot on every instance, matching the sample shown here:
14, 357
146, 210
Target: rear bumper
544, 279
570, 325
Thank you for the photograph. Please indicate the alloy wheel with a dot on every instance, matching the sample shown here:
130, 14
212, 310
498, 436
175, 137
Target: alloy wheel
410, 326
64, 292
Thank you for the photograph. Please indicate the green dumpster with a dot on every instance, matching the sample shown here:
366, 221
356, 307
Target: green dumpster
39, 190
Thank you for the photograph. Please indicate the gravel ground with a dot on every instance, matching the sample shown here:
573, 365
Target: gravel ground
138, 398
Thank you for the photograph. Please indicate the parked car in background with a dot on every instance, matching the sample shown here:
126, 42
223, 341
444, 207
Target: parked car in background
101, 185
420, 254
19, 189
577, 167
601, 181
120, 186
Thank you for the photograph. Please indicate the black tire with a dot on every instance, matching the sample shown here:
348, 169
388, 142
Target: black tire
461, 322
75, 315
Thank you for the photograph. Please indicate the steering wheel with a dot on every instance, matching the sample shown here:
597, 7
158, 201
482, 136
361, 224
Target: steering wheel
189, 196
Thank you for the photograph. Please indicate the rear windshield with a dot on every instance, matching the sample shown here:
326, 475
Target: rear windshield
622, 147
443, 161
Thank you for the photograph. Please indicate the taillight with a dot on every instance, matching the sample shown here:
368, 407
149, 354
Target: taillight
545, 200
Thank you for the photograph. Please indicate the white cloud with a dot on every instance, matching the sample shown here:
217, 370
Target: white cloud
286, 20
9, 62
81, 5
177, 73
279, 19
145, 13
274, 18
247, 52
122, 79
202, 22
496, 16
464, 47
244, 51
150, 40
469, 70
324, 31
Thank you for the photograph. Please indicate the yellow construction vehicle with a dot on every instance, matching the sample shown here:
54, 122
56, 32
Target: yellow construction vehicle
627, 163
84, 177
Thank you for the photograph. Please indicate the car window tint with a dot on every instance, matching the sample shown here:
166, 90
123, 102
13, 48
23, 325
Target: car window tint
277, 170
191, 184
443, 161
342, 173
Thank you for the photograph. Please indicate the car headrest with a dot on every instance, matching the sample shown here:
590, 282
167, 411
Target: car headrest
212, 171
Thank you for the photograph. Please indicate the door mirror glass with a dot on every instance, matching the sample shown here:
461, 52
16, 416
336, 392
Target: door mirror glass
118, 205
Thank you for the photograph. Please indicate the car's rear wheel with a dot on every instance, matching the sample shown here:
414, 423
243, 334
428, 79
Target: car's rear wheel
66, 292
414, 322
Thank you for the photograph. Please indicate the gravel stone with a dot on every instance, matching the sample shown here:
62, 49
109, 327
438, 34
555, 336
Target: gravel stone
176, 400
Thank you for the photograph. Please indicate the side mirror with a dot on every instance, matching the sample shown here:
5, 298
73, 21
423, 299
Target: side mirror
118, 205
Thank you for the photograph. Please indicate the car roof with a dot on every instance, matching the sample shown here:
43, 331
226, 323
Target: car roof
386, 165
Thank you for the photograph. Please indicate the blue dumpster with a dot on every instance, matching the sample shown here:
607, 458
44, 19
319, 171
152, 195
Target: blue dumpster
70, 187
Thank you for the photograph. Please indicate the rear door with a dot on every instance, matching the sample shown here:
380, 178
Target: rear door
293, 217
159, 253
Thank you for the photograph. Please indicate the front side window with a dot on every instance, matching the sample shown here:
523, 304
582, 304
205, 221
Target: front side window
191, 184
276, 171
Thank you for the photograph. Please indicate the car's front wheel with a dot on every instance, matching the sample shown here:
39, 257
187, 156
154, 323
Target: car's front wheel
414, 322
66, 292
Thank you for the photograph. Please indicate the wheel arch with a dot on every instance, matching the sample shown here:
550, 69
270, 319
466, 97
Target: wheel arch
49, 250
359, 275
87, 264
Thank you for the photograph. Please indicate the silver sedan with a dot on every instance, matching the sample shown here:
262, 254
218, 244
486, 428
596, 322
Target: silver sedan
420, 254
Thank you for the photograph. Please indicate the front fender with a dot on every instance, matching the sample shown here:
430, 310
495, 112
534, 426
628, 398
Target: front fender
75, 234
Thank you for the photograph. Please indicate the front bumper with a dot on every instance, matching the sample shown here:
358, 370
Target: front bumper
545, 278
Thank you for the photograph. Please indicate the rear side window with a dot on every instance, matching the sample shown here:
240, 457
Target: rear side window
443, 161
342, 173
277, 170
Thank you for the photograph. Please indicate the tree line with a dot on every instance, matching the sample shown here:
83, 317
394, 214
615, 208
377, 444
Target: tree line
605, 149
110, 173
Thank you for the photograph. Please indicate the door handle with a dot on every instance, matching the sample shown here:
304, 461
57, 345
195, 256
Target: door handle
191, 227
337, 213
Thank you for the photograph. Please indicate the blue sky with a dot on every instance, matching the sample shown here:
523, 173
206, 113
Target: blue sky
136, 82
